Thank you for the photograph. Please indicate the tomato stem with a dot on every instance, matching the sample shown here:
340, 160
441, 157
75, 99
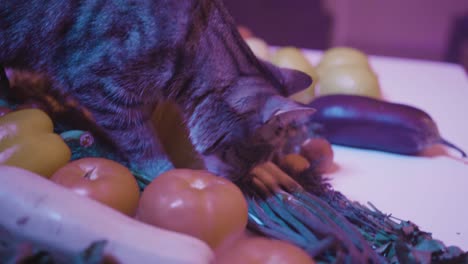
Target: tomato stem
88, 175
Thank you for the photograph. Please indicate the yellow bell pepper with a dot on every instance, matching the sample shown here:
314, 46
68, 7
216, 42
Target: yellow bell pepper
27, 141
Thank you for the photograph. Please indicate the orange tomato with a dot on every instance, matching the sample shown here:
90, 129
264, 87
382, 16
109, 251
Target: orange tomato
194, 202
103, 180
259, 250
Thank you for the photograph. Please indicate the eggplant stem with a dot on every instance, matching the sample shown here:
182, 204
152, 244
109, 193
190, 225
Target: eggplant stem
451, 145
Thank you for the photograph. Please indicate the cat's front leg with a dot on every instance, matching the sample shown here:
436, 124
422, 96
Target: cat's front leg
143, 152
131, 132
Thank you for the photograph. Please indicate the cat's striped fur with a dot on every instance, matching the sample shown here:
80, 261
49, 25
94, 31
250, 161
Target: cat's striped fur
119, 58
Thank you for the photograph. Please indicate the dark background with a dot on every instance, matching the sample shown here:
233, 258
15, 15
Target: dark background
419, 29
303, 23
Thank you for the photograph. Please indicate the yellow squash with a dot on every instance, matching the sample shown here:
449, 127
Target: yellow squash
27, 141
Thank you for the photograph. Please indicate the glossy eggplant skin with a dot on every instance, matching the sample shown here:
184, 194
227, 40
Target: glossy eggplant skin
363, 122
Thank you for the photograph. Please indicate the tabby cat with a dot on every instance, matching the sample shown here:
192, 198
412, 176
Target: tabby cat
120, 58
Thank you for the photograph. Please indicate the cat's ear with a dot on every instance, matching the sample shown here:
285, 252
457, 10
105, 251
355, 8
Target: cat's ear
293, 81
284, 111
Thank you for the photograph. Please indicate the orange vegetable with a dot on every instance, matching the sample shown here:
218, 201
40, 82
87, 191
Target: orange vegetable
103, 180
196, 203
319, 152
259, 250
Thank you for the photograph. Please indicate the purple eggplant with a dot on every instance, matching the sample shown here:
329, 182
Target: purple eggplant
363, 122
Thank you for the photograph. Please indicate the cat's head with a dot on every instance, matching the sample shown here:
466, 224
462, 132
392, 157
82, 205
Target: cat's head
280, 119
267, 120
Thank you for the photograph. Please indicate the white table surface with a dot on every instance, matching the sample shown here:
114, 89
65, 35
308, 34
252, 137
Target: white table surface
430, 190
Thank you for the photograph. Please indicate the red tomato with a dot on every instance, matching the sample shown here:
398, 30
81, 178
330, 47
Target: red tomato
319, 153
103, 180
196, 203
259, 250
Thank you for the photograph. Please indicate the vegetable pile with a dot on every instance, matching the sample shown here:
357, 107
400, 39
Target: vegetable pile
118, 216
75, 204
